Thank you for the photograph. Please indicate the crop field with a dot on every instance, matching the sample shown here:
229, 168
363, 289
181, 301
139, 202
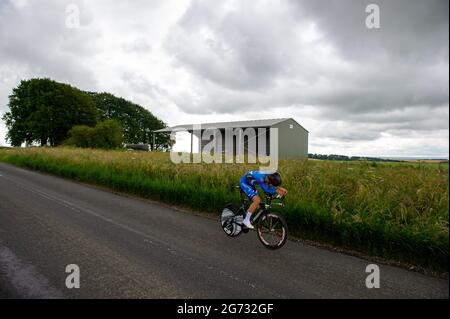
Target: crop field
397, 211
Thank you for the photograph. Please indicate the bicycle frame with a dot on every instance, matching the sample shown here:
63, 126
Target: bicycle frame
264, 208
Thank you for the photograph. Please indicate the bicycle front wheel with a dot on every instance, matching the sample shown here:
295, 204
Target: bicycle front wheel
272, 231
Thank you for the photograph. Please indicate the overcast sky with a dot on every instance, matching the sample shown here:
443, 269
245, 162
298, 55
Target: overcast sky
359, 91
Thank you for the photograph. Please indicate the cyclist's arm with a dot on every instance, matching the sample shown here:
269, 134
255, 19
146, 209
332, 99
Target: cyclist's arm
268, 189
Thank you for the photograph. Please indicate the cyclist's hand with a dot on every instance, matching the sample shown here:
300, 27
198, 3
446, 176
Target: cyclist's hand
282, 191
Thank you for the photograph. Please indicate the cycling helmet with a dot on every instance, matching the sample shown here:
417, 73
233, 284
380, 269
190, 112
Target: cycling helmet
275, 179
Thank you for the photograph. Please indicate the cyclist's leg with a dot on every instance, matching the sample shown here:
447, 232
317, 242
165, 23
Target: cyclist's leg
256, 200
252, 193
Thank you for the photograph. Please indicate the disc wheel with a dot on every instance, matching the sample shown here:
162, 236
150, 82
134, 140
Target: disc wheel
228, 220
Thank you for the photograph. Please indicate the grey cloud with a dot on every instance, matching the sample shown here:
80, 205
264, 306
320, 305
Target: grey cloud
237, 49
416, 119
420, 118
36, 37
411, 30
139, 45
354, 135
137, 83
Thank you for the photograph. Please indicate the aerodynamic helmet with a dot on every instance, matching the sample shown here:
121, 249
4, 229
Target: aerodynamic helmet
275, 179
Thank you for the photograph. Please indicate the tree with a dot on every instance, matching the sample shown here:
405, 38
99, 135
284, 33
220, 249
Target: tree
106, 134
137, 122
42, 111
80, 135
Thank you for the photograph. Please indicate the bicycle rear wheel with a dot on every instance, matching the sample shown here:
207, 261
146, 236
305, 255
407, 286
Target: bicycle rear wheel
228, 220
272, 231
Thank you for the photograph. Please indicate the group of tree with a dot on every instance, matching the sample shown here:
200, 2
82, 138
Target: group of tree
43, 112
335, 157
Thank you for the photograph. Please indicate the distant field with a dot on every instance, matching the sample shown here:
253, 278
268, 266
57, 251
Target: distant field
393, 210
431, 164
432, 161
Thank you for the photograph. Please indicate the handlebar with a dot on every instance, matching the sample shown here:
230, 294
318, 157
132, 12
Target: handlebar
274, 196
269, 198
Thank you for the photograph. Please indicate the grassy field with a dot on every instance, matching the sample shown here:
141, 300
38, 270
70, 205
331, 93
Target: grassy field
396, 211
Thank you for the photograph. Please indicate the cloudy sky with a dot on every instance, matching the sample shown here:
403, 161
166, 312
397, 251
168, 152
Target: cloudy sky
359, 91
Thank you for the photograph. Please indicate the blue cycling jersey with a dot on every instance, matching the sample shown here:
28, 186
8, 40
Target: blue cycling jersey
249, 181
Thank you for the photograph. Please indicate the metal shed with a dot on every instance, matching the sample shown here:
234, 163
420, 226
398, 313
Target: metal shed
292, 137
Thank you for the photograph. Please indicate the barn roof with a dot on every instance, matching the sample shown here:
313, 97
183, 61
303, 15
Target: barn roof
220, 125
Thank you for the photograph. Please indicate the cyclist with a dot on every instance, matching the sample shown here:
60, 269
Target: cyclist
269, 183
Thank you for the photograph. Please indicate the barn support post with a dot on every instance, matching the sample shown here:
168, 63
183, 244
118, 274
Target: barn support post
192, 142
153, 141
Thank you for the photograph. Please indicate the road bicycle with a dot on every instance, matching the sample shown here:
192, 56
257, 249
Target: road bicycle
271, 227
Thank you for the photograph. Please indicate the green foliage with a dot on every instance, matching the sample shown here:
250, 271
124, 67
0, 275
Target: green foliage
106, 134
42, 111
137, 122
397, 211
80, 136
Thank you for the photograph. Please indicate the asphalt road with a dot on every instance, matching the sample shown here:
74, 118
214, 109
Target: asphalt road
129, 248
